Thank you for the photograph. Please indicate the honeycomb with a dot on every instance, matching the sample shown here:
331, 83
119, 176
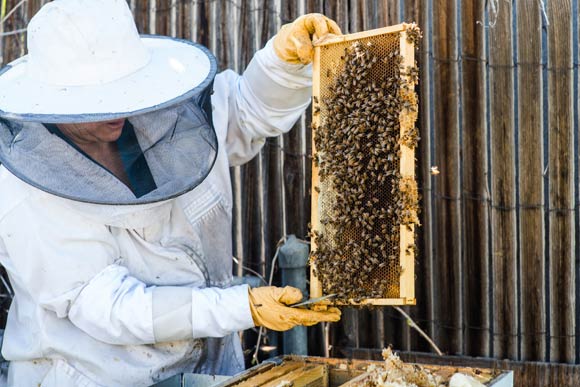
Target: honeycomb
364, 114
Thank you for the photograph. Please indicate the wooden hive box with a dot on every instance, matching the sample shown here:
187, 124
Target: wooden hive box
364, 196
302, 371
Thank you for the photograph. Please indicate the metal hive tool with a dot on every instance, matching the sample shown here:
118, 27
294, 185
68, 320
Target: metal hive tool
364, 196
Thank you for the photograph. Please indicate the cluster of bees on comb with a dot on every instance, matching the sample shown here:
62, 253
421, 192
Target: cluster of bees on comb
363, 197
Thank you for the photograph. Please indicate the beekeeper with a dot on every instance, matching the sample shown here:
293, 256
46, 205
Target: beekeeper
115, 197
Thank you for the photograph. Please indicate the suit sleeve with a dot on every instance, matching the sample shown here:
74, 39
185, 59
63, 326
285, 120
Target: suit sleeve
69, 266
265, 101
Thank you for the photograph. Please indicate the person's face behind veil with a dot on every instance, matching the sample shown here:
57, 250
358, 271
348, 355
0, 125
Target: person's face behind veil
93, 132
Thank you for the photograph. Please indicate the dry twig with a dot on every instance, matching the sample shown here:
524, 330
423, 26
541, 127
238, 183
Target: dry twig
414, 325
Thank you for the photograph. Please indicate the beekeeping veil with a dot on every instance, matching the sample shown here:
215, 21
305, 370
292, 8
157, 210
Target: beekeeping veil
87, 63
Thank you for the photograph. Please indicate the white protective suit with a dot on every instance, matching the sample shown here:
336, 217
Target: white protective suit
118, 295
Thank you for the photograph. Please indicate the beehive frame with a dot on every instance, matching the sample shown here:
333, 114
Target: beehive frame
321, 83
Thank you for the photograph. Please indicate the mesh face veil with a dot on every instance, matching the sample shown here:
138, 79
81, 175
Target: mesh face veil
156, 89
87, 63
164, 153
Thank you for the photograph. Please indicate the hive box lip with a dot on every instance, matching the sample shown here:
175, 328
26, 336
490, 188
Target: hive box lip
503, 379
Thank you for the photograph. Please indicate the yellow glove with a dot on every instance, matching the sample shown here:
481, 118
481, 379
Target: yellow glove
269, 310
293, 43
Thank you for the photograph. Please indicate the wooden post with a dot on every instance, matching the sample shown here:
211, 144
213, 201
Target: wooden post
474, 174
426, 291
531, 181
561, 188
503, 213
447, 259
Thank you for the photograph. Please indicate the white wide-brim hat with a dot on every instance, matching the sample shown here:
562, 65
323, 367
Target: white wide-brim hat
86, 62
